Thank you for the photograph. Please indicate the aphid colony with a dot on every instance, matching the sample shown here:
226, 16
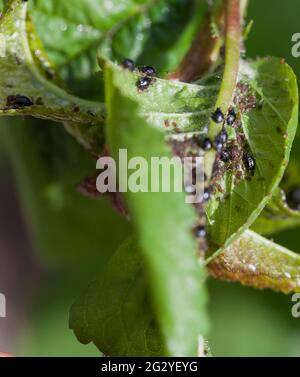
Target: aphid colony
226, 150
148, 74
222, 138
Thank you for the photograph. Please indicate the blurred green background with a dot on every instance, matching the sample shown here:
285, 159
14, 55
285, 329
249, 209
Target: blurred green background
42, 284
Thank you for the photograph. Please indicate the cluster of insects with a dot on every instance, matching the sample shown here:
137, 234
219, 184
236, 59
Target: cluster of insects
225, 154
231, 154
200, 230
148, 74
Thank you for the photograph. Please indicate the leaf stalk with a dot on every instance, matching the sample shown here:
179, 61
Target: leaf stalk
233, 32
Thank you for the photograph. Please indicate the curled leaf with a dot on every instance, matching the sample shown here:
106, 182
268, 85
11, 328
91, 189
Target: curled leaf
27, 89
255, 261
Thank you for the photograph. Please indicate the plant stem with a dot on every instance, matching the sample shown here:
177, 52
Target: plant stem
243, 7
232, 57
204, 51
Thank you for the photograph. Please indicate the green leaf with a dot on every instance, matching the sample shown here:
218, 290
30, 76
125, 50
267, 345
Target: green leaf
146, 35
176, 273
255, 261
266, 132
115, 311
174, 107
168, 105
21, 75
72, 31
190, 105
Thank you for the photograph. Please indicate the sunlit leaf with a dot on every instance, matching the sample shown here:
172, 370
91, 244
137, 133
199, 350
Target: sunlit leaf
26, 88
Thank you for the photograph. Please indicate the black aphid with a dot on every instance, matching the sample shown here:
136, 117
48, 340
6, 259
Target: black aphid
144, 83
217, 116
206, 194
221, 139
225, 155
128, 64
249, 161
147, 70
231, 117
206, 145
293, 198
18, 101
200, 231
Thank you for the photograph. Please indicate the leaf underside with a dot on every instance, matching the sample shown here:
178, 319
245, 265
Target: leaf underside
255, 261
